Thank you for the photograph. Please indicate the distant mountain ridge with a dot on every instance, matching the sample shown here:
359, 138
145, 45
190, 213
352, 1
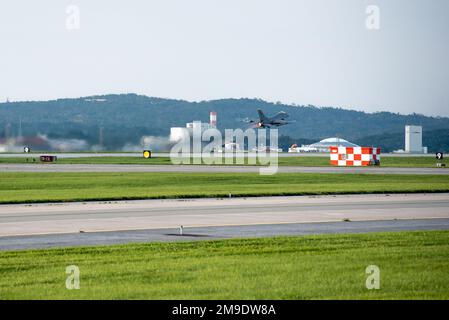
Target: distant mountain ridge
126, 117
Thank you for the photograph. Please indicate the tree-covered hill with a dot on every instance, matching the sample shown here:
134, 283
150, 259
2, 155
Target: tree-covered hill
435, 140
127, 117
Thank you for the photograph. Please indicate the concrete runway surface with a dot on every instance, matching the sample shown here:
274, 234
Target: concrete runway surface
26, 219
211, 233
40, 167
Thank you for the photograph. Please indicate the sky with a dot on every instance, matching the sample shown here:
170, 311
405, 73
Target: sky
322, 52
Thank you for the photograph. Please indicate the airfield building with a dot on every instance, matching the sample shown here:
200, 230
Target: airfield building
413, 140
180, 133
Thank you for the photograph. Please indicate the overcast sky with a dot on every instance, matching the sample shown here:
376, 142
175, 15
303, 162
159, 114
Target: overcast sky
296, 51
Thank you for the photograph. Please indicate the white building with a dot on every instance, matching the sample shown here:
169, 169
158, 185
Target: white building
413, 140
231, 146
180, 133
302, 149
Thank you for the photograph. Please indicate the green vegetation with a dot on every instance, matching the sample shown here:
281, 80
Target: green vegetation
413, 265
91, 160
44, 187
126, 118
306, 161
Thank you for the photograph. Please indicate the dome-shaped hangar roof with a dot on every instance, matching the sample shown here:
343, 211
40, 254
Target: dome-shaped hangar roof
333, 142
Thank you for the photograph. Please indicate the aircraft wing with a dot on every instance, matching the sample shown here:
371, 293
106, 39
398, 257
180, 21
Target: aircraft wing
279, 116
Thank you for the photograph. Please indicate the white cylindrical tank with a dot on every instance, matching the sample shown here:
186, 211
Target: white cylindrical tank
213, 119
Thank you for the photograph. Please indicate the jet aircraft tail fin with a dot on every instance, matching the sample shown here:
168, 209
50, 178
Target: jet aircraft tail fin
261, 116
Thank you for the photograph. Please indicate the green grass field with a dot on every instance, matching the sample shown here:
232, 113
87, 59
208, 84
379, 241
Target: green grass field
429, 162
46, 187
309, 161
413, 265
91, 160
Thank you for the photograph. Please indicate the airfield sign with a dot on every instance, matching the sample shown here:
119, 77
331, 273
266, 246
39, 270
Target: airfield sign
48, 158
439, 155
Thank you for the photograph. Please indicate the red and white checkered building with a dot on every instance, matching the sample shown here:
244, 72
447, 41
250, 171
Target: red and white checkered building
354, 156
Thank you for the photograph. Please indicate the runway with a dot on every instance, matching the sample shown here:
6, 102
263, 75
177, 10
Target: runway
87, 217
213, 233
47, 167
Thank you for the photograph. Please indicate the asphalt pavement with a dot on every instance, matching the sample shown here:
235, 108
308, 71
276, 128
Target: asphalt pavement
214, 233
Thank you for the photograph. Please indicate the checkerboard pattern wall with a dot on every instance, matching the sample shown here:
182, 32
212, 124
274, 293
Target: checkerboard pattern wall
354, 156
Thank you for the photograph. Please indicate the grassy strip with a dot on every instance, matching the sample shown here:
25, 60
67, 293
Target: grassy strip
413, 265
45, 187
306, 161
422, 162
90, 160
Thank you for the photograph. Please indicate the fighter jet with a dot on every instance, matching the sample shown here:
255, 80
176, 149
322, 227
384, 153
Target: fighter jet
275, 121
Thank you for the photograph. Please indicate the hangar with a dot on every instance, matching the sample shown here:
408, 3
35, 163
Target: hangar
324, 145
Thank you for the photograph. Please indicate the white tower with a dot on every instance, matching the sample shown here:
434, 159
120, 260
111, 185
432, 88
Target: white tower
413, 139
213, 119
